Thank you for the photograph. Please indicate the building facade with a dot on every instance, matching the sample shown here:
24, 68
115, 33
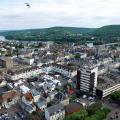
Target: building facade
64, 70
87, 80
25, 73
56, 112
104, 92
6, 62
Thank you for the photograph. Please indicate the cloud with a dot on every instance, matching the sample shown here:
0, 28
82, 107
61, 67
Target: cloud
47, 13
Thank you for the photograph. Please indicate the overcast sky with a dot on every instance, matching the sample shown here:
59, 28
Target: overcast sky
48, 13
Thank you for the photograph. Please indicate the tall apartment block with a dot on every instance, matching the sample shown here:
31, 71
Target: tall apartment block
87, 80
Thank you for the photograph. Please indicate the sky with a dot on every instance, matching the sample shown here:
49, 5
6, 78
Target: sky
14, 14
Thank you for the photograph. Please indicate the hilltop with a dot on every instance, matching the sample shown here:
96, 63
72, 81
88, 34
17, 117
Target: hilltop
48, 34
105, 34
107, 31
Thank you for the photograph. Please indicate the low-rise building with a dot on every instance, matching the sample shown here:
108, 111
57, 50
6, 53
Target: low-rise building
41, 104
56, 112
8, 97
27, 103
36, 95
64, 70
28, 107
72, 108
26, 60
107, 84
6, 62
61, 69
22, 73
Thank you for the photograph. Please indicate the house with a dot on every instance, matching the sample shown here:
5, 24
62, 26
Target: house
2, 82
8, 97
24, 89
72, 108
48, 87
61, 69
22, 73
27, 98
27, 103
56, 112
26, 60
6, 62
41, 104
29, 108
25, 53
35, 94
65, 71
62, 97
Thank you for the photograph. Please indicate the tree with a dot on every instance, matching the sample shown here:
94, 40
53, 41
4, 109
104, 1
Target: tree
81, 115
77, 56
34, 116
100, 113
9, 54
116, 96
93, 108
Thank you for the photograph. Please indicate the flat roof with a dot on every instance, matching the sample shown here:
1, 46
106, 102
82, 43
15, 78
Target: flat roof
106, 81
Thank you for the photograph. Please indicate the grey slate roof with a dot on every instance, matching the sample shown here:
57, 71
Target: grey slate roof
56, 108
35, 92
40, 103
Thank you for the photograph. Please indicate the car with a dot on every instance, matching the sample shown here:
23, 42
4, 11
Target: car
90, 98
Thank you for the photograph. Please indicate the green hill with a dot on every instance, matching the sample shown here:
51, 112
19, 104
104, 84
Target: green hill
48, 34
106, 34
107, 31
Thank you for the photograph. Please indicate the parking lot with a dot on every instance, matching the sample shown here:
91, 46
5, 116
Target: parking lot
115, 113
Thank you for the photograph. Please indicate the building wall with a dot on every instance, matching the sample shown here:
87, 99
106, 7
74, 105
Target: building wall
6, 63
56, 116
108, 91
87, 80
65, 72
36, 98
23, 75
47, 116
65, 102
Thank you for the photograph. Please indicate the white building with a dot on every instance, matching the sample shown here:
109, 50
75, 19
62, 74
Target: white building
67, 72
36, 95
56, 112
24, 89
90, 45
83, 55
23, 73
64, 70
28, 60
41, 104
87, 80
